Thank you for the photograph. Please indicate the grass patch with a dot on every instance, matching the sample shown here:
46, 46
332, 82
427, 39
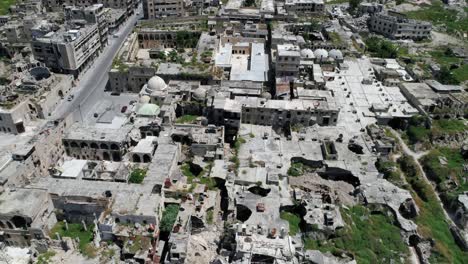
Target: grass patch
75, 231
461, 74
45, 257
202, 177
441, 173
293, 221
5, 5
139, 243
169, 217
371, 238
186, 119
335, 38
431, 219
390, 171
137, 175
444, 57
448, 126
209, 216
296, 169
438, 15
381, 48
119, 65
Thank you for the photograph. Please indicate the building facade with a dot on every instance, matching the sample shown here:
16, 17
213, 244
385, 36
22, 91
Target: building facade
287, 60
94, 14
397, 26
68, 51
304, 6
162, 8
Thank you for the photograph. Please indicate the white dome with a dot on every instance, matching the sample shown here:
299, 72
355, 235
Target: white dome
307, 53
156, 83
335, 54
199, 94
145, 99
321, 54
266, 95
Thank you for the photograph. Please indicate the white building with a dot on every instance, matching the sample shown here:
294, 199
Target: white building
162, 8
397, 26
304, 6
287, 60
243, 59
68, 50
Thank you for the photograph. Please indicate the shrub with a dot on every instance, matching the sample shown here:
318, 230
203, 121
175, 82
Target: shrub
137, 175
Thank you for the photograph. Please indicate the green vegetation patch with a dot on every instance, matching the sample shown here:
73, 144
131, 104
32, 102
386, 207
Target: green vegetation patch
461, 73
296, 169
371, 238
139, 243
442, 165
137, 175
45, 257
5, 5
293, 220
431, 220
448, 126
438, 15
119, 65
381, 48
390, 171
187, 39
169, 217
75, 231
186, 119
209, 216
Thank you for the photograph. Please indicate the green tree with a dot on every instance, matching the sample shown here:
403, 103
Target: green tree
445, 76
353, 4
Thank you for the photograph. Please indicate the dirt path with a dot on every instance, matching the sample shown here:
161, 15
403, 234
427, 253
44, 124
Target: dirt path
416, 156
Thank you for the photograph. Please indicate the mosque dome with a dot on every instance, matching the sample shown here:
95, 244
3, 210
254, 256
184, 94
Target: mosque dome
321, 54
199, 94
156, 83
307, 53
148, 110
266, 95
336, 54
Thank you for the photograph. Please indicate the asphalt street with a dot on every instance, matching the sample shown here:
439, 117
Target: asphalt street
92, 83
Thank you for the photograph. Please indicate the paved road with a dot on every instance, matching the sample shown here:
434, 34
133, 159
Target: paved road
92, 83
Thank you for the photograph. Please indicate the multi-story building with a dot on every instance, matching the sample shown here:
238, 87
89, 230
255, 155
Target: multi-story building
68, 50
96, 144
397, 26
304, 6
26, 214
287, 60
57, 5
94, 14
259, 111
163, 8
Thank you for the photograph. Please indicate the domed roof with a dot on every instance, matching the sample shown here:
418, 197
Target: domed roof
148, 110
156, 83
321, 54
199, 94
335, 54
145, 99
307, 53
266, 95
